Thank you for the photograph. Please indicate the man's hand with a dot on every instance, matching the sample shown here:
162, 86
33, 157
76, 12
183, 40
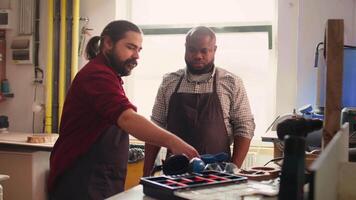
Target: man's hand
142, 129
178, 146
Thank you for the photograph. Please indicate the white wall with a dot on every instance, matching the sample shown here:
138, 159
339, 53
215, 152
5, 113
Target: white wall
313, 17
301, 27
287, 39
19, 108
99, 14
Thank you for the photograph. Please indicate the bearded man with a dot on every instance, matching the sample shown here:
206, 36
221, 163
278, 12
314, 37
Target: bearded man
89, 159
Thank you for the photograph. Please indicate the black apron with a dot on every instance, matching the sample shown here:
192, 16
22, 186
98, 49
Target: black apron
198, 120
98, 174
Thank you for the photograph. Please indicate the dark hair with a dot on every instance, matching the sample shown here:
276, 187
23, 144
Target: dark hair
115, 30
200, 31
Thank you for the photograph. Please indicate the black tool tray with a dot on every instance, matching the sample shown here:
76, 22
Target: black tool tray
163, 187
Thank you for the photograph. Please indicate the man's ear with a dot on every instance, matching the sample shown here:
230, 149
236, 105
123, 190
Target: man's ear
108, 44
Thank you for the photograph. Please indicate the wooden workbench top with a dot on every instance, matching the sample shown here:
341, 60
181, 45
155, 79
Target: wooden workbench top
20, 139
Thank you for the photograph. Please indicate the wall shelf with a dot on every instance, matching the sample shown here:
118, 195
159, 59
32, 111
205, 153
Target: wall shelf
4, 96
8, 95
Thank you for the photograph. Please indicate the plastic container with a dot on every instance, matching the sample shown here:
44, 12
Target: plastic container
5, 86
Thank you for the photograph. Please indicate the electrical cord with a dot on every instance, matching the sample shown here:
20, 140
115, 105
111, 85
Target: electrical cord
316, 58
317, 54
274, 160
274, 121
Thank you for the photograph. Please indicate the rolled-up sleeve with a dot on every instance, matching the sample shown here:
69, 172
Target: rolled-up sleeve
241, 117
107, 95
160, 107
159, 110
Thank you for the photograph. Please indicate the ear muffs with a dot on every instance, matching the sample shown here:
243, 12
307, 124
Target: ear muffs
180, 164
175, 164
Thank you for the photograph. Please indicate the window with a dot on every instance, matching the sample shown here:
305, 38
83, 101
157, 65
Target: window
160, 12
244, 48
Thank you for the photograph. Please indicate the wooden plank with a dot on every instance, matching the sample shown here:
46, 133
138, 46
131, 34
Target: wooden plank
20, 139
327, 168
334, 69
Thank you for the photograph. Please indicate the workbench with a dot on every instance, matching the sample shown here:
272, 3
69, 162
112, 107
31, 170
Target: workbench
26, 163
136, 193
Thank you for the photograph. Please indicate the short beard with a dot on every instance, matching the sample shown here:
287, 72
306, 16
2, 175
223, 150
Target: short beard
206, 69
121, 67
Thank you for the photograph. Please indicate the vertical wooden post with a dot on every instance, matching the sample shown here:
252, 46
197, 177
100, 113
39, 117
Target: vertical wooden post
334, 75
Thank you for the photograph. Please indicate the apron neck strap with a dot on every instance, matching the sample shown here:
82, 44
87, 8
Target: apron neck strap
181, 79
179, 82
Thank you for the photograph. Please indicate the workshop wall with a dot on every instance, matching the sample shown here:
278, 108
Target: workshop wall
300, 27
21, 77
311, 32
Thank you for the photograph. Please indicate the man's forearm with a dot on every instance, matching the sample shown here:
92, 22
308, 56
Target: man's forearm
241, 147
144, 130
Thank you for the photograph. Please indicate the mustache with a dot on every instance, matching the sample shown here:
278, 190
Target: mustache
132, 62
206, 69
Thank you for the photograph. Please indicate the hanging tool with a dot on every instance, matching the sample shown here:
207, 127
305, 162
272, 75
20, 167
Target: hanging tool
85, 32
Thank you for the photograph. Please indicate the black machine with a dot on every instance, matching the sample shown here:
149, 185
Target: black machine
349, 115
298, 127
294, 131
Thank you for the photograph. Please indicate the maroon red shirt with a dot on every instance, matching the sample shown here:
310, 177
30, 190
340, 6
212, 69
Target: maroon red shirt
94, 101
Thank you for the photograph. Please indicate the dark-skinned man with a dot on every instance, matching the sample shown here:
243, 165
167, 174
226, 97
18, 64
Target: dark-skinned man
204, 105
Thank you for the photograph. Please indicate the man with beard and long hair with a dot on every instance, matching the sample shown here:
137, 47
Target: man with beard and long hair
89, 159
204, 105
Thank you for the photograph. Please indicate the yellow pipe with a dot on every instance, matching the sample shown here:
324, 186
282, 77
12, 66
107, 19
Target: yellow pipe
49, 69
62, 59
75, 39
